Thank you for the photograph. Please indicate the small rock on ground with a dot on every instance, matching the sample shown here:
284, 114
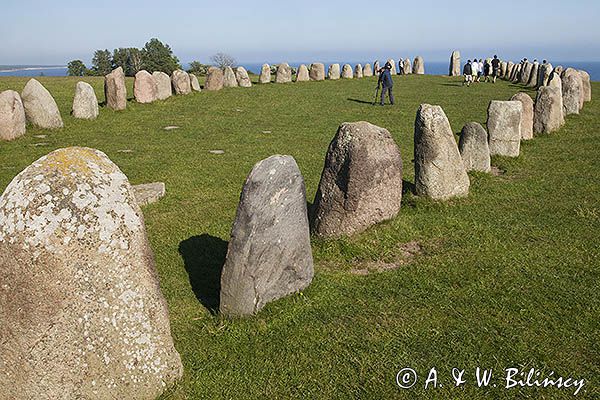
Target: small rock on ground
216, 151
148, 193
170, 127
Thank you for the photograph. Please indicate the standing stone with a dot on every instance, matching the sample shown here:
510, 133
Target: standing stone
163, 85
214, 79
419, 66
242, 77
80, 303
509, 70
361, 182
587, 86
302, 75
455, 64
407, 67
284, 73
544, 74
439, 169
555, 81
367, 70
181, 82
269, 254
317, 72
474, 149
40, 108
572, 91
144, 87
85, 103
194, 83
504, 127
229, 79
548, 113
265, 74
12, 115
558, 70
376, 68
533, 75
525, 72
527, 114
503, 67
334, 72
358, 71
392, 62
347, 72
115, 90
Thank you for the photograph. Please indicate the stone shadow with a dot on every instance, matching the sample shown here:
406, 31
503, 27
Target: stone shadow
361, 101
203, 258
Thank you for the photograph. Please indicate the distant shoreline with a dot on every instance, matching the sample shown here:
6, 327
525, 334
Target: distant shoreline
17, 69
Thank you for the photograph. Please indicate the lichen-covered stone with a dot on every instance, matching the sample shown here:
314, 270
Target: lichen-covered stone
194, 83
115, 90
85, 103
407, 67
145, 89
527, 115
333, 72
474, 149
347, 72
242, 77
148, 193
302, 75
392, 62
229, 79
12, 115
504, 127
164, 85
419, 66
358, 71
572, 91
80, 304
548, 112
587, 86
367, 70
181, 82
455, 64
265, 74
40, 108
317, 72
284, 73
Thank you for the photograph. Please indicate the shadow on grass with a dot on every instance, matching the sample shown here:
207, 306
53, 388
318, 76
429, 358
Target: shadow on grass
204, 257
407, 187
361, 101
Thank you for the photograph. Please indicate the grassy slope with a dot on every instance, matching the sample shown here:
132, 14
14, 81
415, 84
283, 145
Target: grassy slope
508, 277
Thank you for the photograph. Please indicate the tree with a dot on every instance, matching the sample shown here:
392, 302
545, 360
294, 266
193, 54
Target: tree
156, 56
130, 59
76, 68
196, 67
102, 62
223, 60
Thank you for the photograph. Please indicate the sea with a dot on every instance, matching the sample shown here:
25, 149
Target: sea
431, 68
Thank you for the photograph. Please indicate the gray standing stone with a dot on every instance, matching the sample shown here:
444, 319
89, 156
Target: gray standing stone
148, 193
361, 182
419, 66
284, 73
525, 72
587, 86
558, 70
229, 79
503, 68
85, 103
80, 303
12, 115
548, 113
544, 74
163, 85
527, 115
376, 68
214, 79
40, 108
302, 75
517, 73
509, 70
145, 89
455, 64
242, 77
194, 83
317, 72
393, 71
474, 148
572, 91
265, 74
555, 80
407, 66
439, 169
181, 82
115, 90
334, 72
504, 127
347, 72
358, 71
367, 70
533, 75
269, 254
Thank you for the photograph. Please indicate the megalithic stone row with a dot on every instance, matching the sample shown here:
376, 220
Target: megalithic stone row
474, 149
527, 114
12, 115
82, 313
85, 103
361, 182
358, 71
214, 79
229, 79
265, 74
367, 70
284, 73
145, 89
164, 85
572, 91
587, 86
455, 64
115, 90
347, 72
181, 82
419, 66
194, 83
548, 113
504, 127
242, 77
269, 254
40, 108
333, 72
302, 75
317, 72
407, 66
439, 170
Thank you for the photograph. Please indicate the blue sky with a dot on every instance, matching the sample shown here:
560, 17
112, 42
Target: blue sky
56, 31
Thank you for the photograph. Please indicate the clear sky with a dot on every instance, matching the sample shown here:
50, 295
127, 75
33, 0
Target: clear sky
56, 31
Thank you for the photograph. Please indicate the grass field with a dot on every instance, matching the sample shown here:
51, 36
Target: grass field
507, 277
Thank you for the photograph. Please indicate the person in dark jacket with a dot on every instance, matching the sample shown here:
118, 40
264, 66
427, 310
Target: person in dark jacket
468, 73
386, 83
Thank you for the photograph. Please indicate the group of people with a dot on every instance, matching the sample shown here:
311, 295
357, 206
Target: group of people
474, 70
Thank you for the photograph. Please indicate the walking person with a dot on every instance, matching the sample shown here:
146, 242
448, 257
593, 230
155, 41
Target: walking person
474, 70
401, 67
495, 68
487, 71
479, 70
468, 73
386, 83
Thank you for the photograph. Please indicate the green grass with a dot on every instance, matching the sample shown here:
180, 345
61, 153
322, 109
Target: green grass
508, 277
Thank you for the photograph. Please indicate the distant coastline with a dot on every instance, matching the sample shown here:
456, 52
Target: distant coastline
17, 68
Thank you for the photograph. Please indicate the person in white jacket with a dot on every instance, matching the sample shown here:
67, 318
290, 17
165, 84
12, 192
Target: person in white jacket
474, 70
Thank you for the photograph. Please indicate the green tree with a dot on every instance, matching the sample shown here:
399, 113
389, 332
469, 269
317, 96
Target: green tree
130, 59
102, 62
76, 68
196, 67
157, 56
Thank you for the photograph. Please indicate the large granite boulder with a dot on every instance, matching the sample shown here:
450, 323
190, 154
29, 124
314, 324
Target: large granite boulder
347, 72
455, 64
181, 82
269, 254
407, 67
367, 70
40, 108
587, 86
194, 83
145, 89
80, 303
284, 73
12, 115
474, 149
439, 169
361, 182
548, 112
527, 114
164, 86
572, 91
85, 103
265, 74
115, 90
302, 75
229, 79
358, 71
242, 77
419, 66
333, 72
317, 72
504, 127
214, 79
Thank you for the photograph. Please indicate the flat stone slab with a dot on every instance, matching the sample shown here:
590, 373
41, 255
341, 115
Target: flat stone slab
216, 151
148, 193
170, 127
